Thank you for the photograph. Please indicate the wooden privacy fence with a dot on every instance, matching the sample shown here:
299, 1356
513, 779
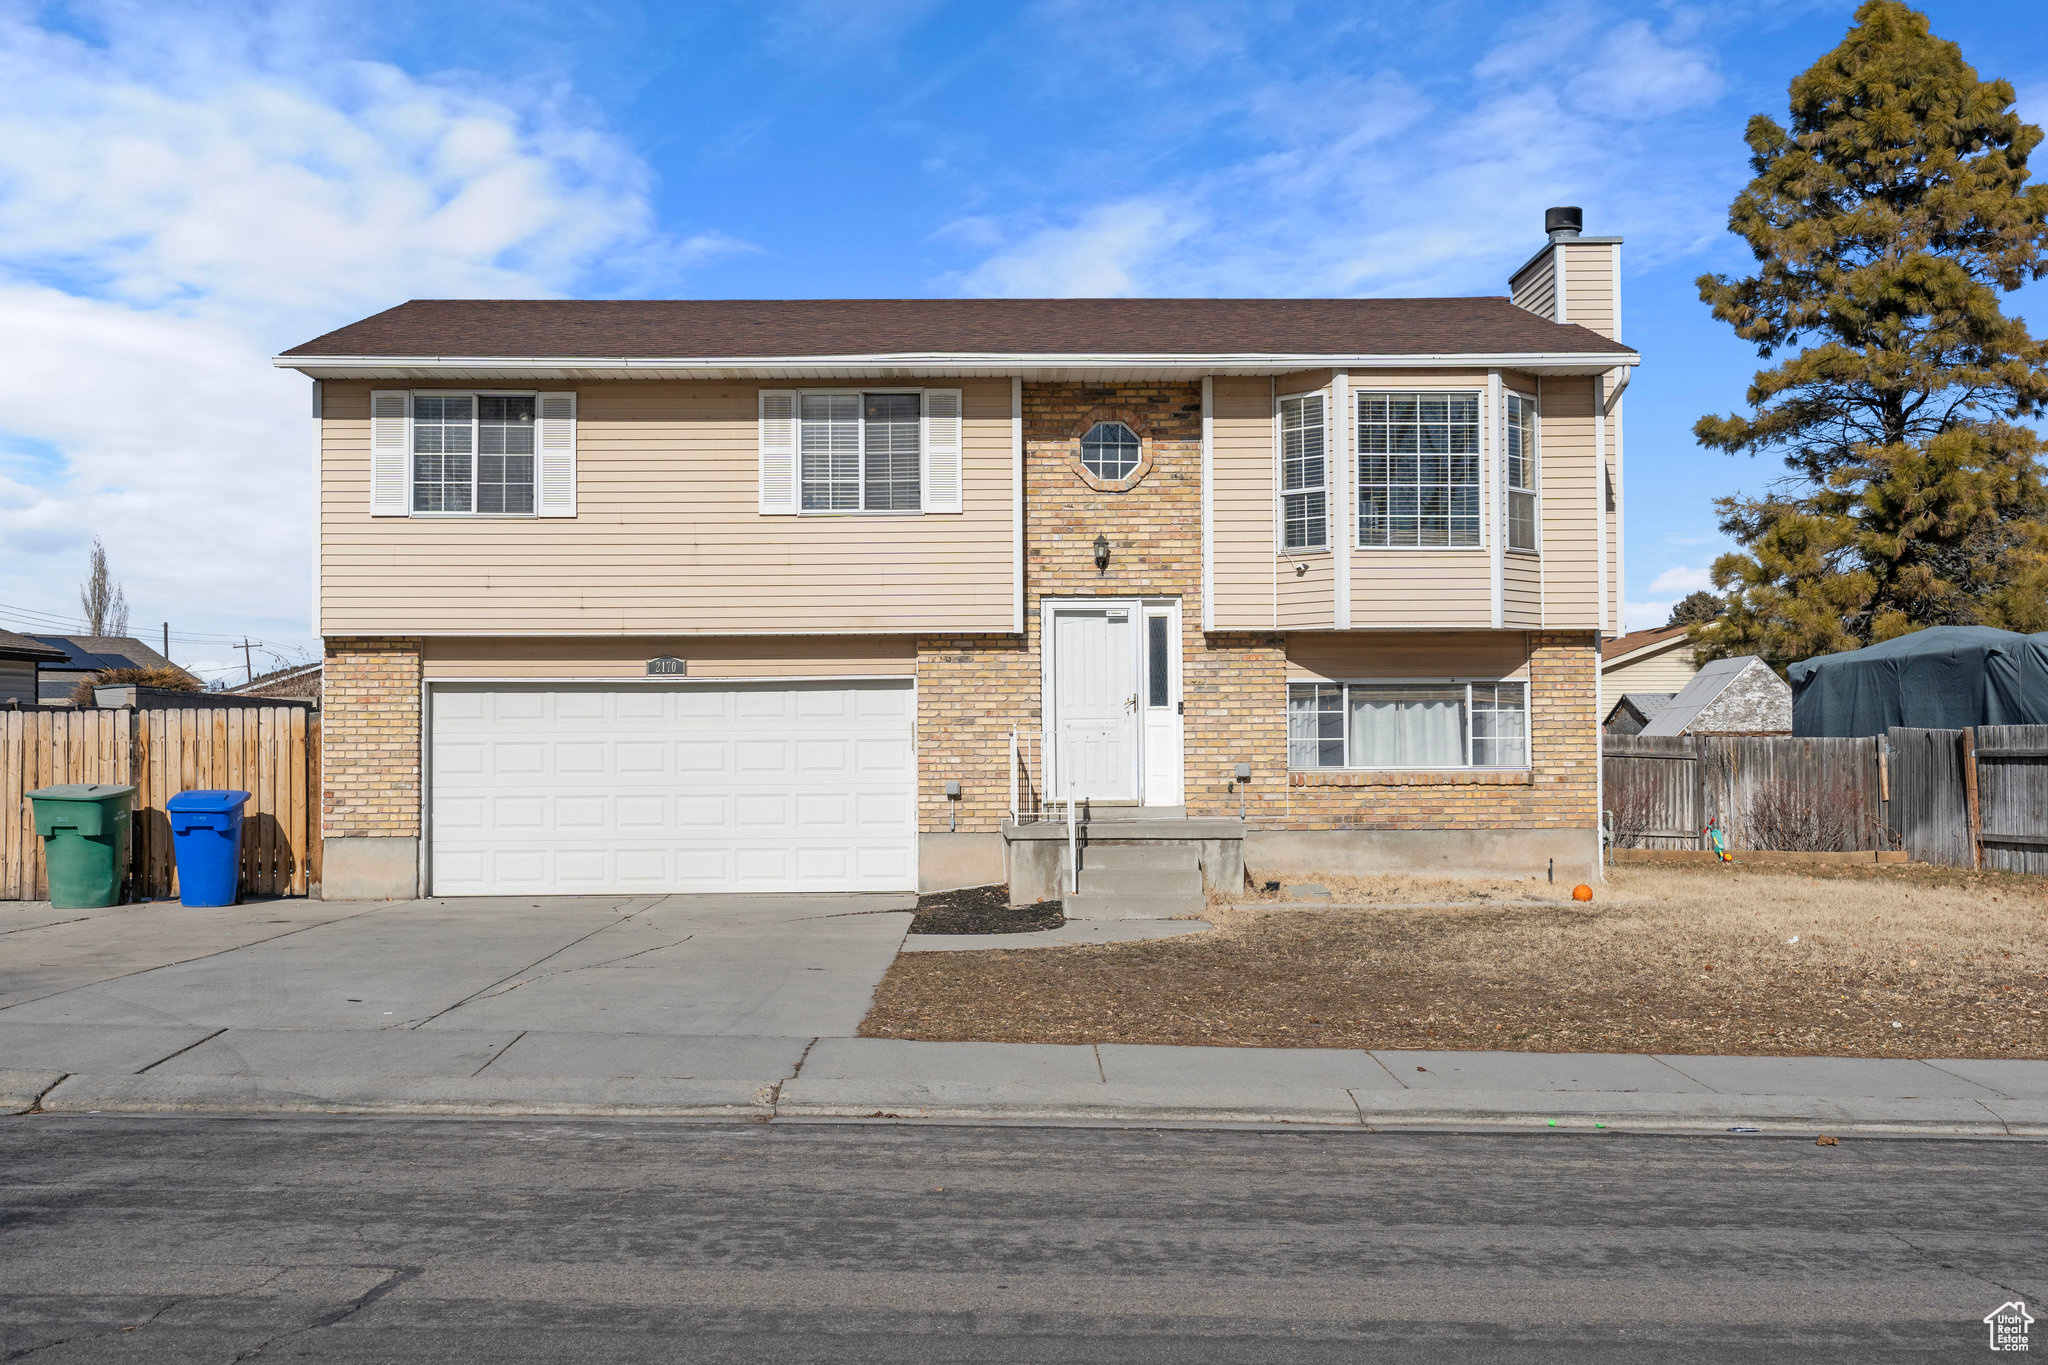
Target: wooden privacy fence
273, 753
1974, 798
1768, 791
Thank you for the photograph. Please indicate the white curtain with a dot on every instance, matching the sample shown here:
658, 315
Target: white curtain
1407, 727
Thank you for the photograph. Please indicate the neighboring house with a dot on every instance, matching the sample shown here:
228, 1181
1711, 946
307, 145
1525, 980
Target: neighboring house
299, 682
1652, 661
1739, 696
728, 595
20, 657
86, 655
1634, 710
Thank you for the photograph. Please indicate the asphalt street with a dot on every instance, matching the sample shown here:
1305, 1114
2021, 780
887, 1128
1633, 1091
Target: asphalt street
401, 1239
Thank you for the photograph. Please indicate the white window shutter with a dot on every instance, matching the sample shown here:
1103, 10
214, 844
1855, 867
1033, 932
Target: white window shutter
941, 450
390, 453
554, 475
778, 451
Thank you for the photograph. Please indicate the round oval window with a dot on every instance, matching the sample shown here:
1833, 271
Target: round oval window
1110, 450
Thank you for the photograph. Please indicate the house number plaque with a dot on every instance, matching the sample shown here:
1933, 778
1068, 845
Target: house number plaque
657, 668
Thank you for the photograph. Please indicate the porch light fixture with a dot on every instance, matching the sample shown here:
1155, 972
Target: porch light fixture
1101, 554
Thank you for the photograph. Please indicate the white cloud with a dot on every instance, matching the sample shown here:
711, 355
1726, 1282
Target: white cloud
1645, 615
1357, 179
1677, 582
178, 208
1101, 256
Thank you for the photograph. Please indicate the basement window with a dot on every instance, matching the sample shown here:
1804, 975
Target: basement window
1407, 725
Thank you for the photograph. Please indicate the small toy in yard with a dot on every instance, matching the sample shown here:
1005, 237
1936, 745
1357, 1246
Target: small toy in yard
1582, 892
1717, 839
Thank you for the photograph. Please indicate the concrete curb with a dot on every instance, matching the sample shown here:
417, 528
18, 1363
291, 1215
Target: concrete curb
1054, 1102
19, 1089
548, 1095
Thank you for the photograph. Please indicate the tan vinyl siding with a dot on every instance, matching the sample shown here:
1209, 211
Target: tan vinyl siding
1245, 579
1570, 487
1589, 286
1536, 288
1497, 654
1667, 670
18, 681
789, 656
667, 538
1421, 588
1521, 591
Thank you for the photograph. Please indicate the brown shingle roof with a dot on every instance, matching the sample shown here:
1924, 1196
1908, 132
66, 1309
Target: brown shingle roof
14, 646
1638, 639
728, 328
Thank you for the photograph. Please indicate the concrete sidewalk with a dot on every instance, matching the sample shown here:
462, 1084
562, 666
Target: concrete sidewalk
112, 1068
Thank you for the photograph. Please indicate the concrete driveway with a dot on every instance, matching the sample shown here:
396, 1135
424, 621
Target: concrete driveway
677, 986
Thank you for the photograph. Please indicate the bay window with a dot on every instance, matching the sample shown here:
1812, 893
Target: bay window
1418, 469
1521, 472
1304, 475
1407, 725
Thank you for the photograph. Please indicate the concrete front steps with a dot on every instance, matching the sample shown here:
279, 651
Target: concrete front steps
1136, 862
1136, 878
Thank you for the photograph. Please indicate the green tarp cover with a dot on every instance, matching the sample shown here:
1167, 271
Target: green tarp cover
1941, 678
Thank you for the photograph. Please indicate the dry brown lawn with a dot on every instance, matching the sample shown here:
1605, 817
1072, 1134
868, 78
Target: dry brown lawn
1863, 961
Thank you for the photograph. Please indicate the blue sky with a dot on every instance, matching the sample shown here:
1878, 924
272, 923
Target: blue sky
185, 190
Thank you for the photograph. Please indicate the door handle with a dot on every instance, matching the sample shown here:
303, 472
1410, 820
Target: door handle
1131, 702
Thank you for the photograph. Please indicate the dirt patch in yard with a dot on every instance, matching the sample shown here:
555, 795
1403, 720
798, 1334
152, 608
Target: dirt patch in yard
982, 910
1872, 961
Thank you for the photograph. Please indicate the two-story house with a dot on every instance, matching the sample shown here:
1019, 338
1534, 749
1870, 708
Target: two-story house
649, 596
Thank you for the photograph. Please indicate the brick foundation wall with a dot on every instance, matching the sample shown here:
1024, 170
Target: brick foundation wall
370, 738
973, 690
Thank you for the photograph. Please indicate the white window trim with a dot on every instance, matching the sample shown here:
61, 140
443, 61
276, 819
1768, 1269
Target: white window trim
1281, 492
1533, 458
1486, 429
475, 457
923, 454
1528, 727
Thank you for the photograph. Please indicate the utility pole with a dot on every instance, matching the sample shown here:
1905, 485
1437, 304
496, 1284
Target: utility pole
247, 667
167, 641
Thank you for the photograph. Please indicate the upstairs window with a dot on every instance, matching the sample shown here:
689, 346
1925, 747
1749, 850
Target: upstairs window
1521, 472
472, 453
1418, 469
1304, 475
859, 452
1407, 725
1110, 450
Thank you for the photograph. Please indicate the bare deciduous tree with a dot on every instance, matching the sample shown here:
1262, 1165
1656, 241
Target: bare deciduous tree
100, 597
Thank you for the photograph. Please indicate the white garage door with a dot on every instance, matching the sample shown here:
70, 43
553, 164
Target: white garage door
569, 790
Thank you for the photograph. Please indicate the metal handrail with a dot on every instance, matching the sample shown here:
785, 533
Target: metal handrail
1047, 746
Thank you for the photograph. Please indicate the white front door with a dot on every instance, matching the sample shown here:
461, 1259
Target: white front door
1160, 701
1094, 699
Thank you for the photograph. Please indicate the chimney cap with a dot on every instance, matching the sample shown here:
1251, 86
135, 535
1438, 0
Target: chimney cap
1563, 221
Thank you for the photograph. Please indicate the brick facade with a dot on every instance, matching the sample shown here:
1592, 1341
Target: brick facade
973, 690
370, 738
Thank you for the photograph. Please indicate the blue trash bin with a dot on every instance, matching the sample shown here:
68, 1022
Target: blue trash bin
206, 839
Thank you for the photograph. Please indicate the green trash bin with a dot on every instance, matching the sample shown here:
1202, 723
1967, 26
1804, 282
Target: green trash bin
85, 841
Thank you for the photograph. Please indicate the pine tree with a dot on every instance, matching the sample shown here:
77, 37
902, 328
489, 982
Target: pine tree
1696, 608
1886, 221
